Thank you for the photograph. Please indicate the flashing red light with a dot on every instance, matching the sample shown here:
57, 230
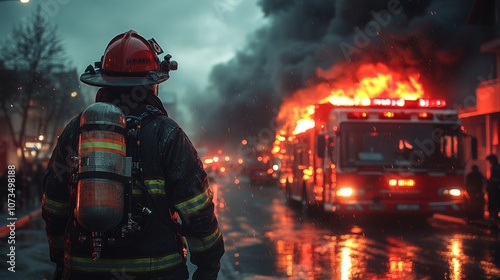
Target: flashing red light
388, 115
393, 115
425, 116
432, 103
388, 102
357, 115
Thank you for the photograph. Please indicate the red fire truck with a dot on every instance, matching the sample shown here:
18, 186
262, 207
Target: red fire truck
378, 155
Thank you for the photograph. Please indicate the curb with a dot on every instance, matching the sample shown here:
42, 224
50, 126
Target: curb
5, 230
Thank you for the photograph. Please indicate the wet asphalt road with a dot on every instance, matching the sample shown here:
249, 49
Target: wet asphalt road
266, 239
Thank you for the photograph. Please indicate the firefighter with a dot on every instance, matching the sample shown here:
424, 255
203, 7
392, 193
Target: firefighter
171, 172
493, 187
474, 182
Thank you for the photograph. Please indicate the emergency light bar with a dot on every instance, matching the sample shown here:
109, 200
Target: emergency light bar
393, 115
388, 102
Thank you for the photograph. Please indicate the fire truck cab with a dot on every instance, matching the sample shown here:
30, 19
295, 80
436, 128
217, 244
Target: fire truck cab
378, 156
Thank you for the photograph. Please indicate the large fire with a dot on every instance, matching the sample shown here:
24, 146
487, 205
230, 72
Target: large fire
372, 81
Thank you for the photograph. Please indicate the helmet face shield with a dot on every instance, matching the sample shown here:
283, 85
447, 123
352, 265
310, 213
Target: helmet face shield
129, 60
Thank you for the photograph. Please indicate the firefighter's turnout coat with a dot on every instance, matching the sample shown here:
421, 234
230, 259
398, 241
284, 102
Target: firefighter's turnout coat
177, 185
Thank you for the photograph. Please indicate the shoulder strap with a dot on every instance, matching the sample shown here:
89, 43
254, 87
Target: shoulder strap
151, 113
134, 125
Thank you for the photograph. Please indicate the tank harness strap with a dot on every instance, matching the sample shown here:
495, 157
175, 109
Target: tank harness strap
103, 175
133, 143
150, 114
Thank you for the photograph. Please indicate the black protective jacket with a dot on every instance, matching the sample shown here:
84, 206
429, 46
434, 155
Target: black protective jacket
176, 184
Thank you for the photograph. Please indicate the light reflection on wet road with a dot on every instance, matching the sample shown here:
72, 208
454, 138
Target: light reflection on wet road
268, 240
265, 239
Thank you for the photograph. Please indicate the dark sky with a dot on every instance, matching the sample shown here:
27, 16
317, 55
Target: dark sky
238, 60
198, 34
305, 39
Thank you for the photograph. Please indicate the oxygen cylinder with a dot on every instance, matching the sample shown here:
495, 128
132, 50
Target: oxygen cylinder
101, 168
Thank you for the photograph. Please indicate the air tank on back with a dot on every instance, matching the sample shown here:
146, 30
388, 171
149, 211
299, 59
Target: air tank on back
102, 162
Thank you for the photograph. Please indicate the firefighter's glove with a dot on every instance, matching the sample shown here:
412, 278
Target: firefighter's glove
58, 273
207, 272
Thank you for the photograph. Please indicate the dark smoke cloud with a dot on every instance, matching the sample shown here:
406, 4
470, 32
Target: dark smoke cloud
431, 37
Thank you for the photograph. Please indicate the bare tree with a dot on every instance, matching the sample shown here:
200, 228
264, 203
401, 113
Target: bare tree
57, 103
32, 101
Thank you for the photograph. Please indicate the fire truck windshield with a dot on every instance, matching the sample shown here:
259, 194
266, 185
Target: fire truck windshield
408, 145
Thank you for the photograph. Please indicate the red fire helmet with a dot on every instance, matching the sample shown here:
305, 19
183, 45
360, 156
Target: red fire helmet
129, 60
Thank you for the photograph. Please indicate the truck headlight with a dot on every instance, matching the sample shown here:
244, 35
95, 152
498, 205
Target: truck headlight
450, 191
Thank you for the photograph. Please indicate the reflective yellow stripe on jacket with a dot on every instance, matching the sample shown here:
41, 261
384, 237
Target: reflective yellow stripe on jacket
87, 264
154, 187
196, 203
54, 207
199, 245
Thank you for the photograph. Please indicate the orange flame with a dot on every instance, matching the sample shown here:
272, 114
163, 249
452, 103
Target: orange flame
373, 80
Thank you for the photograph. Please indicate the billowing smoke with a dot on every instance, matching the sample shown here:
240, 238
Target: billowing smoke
304, 39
